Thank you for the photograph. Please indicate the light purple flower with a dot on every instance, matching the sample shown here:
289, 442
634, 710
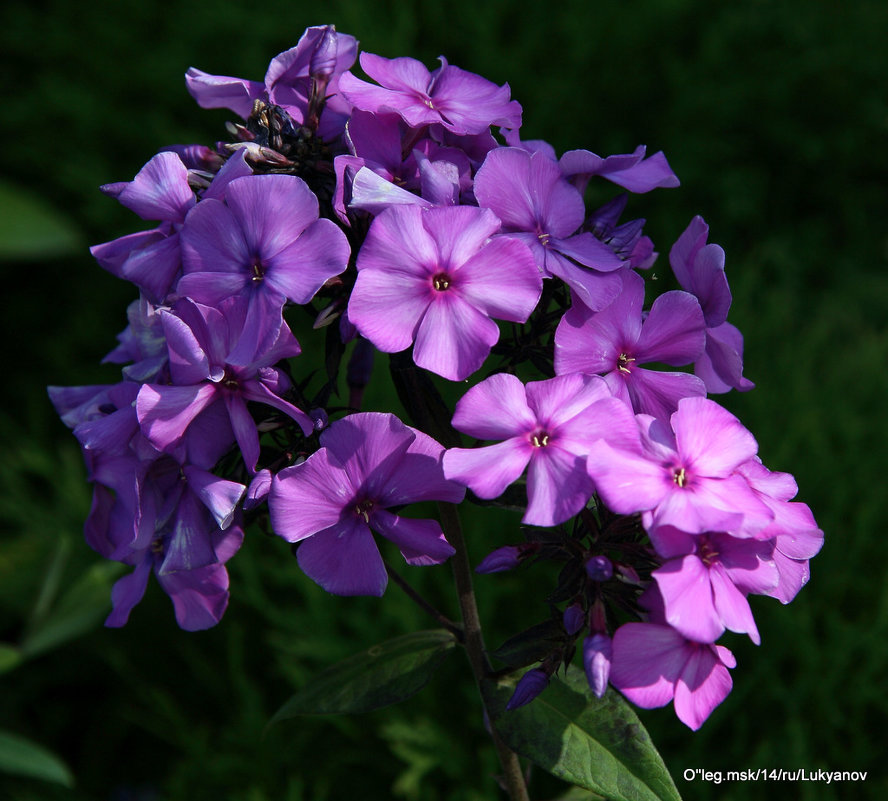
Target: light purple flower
436, 277
460, 101
331, 502
547, 426
617, 340
700, 269
152, 260
266, 243
539, 207
200, 341
293, 81
631, 171
653, 664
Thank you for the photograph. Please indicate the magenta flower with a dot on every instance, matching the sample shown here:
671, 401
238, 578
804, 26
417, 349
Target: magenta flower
538, 206
266, 243
684, 476
436, 277
331, 502
705, 579
653, 664
462, 102
547, 426
616, 341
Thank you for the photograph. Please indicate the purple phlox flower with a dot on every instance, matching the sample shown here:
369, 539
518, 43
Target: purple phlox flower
529, 686
513, 139
200, 340
152, 260
705, 578
626, 240
437, 278
188, 527
539, 207
631, 171
142, 343
508, 557
617, 340
460, 101
296, 80
654, 664
430, 171
700, 269
684, 473
329, 504
265, 243
548, 427
597, 658
797, 538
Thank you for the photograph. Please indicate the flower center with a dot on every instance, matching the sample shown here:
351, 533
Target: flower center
707, 552
363, 509
258, 269
623, 362
544, 239
679, 476
539, 439
441, 282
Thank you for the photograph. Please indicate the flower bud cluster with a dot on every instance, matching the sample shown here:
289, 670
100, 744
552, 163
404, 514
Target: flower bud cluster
410, 210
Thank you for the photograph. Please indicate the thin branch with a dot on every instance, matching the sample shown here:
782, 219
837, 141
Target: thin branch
414, 596
513, 777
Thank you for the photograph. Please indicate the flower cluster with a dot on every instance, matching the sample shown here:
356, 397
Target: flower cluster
407, 215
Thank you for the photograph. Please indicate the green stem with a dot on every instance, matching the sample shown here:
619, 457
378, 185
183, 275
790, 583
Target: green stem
474, 642
413, 595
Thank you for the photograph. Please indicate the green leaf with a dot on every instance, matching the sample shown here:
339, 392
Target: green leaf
31, 228
77, 611
10, 656
382, 675
25, 758
532, 645
596, 744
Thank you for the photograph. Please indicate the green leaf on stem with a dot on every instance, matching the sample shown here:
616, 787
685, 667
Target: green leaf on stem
596, 744
533, 644
22, 757
382, 675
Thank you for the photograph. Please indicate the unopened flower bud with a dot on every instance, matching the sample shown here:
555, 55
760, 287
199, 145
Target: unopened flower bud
506, 558
599, 568
529, 687
574, 617
597, 655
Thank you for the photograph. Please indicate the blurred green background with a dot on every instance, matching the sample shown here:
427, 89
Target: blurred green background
775, 117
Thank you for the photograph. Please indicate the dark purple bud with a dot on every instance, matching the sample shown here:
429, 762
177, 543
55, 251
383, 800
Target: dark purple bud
319, 419
506, 558
597, 655
629, 574
529, 687
574, 618
360, 365
599, 568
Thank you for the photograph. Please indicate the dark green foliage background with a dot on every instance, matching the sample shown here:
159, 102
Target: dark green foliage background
775, 117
